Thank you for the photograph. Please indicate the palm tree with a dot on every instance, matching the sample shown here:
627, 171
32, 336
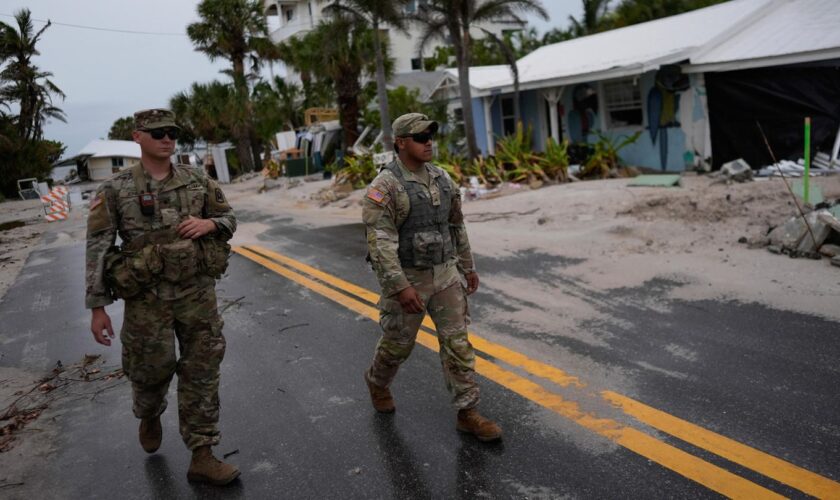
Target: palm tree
340, 49
594, 12
276, 107
453, 19
121, 129
23, 82
510, 59
236, 30
300, 55
209, 111
374, 13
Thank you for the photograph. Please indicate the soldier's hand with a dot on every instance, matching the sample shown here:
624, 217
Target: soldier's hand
194, 228
472, 282
410, 301
100, 326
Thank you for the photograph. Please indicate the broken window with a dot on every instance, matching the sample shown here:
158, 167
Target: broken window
623, 103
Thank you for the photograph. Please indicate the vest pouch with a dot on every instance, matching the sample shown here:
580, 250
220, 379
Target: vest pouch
428, 249
128, 274
214, 257
179, 260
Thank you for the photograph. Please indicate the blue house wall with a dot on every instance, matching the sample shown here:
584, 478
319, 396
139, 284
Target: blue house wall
644, 152
529, 109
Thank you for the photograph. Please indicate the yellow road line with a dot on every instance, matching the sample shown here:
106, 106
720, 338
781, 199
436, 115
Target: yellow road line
317, 273
780, 470
696, 469
509, 356
764, 463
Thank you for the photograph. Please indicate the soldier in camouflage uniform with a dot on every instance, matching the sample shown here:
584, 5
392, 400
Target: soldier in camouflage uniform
419, 249
174, 222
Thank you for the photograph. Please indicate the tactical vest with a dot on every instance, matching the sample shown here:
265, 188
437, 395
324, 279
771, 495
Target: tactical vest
162, 254
425, 239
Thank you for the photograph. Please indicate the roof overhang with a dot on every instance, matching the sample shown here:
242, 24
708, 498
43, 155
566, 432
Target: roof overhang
763, 62
636, 69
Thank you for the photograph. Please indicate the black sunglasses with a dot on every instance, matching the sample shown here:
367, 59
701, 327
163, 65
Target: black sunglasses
158, 133
422, 137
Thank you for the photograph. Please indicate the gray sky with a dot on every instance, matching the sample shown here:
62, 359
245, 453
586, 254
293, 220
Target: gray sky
107, 75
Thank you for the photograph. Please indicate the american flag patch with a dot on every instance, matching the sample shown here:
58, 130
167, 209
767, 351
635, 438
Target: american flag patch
376, 195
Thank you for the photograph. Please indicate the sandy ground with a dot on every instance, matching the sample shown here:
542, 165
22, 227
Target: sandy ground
617, 236
17, 242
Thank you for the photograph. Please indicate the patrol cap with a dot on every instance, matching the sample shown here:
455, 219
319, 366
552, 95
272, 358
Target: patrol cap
412, 123
154, 118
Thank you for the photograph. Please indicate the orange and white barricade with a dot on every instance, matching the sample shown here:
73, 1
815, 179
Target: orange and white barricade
56, 204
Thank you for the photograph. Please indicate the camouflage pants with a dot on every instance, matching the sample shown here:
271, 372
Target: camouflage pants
148, 336
450, 314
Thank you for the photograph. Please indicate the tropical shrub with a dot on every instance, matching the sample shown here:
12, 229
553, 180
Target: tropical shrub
555, 160
451, 163
358, 171
515, 156
605, 158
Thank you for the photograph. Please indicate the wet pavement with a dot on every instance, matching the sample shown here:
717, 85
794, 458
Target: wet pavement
297, 419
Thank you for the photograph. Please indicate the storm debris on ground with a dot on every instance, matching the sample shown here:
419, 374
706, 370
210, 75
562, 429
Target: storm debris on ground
86, 379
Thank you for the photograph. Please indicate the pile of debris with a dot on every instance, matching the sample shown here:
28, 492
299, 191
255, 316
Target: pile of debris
815, 235
734, 171
61, 383
821, 165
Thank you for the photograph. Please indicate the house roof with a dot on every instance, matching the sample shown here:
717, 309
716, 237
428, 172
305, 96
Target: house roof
731, 35
791, 31
425, 81
105, 149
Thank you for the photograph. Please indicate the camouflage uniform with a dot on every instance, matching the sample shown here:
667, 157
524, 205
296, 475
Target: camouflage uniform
186, 307
385, 210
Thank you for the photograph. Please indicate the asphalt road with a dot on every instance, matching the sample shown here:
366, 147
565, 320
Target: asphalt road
756, 411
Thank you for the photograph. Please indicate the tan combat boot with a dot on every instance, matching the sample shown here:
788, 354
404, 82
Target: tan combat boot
151, 434
205, 468
381, 398
471, 422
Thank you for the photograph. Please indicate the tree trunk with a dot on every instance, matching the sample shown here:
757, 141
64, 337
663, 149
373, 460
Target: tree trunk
510, 57
256, 148
347, 92
243, 131
243, 151
382, 91
462, 52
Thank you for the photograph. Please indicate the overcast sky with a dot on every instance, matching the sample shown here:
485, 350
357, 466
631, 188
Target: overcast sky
107, 75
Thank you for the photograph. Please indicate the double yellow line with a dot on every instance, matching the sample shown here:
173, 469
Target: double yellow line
362, 301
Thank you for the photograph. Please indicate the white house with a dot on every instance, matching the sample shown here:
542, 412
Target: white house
695, 85
100, 159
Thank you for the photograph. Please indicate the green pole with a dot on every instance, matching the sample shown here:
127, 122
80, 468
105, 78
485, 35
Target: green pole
806, 180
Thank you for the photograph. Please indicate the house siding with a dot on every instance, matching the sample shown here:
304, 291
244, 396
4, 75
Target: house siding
99, 169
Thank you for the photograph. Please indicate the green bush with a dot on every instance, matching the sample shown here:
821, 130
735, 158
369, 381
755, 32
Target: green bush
358, 171
605, 158
555, 160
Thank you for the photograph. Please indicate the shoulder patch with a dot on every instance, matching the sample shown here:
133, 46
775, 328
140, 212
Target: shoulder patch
220, 196
376, 196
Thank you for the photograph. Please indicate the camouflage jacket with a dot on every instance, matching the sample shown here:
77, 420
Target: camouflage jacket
384, 210
115, 210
